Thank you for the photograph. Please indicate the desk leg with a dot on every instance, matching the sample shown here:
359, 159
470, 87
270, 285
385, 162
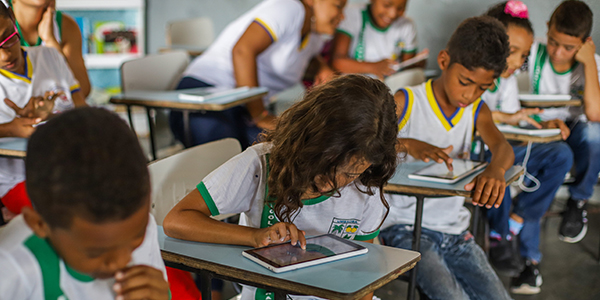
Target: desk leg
130, 118
151, 128
205, 285
416, 246
187, 135
476, 216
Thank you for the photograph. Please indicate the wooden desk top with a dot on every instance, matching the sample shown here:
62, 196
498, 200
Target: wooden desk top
170, 99
350, 278
401, 184
547, 104
13, 147
531, 138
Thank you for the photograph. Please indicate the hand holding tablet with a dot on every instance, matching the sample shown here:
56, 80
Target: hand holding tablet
279, 233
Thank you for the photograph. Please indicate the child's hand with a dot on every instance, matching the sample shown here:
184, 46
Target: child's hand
325, 74
585, 54
425, 152
556, 123
37, 107
383, 68
279, 233
46, 26
21, 127
523, 115
488, 187
141, 282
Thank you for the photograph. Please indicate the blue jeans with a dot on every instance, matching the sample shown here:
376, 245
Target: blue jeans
548, 163
585, 144
451, 266
208, 126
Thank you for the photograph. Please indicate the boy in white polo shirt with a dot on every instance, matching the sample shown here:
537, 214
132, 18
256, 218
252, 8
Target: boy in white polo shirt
567, 64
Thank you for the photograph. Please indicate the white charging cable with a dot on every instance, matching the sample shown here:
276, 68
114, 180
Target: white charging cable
521, 183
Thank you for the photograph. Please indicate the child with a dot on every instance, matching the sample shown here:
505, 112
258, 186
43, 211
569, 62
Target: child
320, 171
90, 234
568, 65
39, 24
452, 265
30, 81
373, 38
270, 46
547, 163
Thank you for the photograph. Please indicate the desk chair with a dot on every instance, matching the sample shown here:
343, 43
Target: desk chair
408, 77
158, 72
174, 177
197, 33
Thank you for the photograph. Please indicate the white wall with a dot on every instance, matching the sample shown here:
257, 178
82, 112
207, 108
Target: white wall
435, 19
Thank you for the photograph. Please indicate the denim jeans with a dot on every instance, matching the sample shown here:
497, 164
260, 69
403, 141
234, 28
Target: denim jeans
548, 163
451, 266
210, 126
585, 144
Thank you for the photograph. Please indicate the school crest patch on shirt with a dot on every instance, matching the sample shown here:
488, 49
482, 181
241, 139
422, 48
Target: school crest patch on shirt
344, 228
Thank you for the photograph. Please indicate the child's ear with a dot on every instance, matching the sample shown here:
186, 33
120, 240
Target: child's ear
443, 59
35, 222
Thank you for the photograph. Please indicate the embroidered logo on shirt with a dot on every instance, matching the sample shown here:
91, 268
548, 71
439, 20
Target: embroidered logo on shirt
345, 228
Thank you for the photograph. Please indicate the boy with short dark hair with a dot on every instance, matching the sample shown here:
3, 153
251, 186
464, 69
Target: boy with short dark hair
437, 122
90, 234
567, 64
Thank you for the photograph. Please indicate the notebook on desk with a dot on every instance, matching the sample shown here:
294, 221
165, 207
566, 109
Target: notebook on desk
529, 130
209, 93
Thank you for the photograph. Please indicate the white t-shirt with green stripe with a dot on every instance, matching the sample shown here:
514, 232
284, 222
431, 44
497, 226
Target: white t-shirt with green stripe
32, 270
545, 80
240, 186
504, 96
371, 43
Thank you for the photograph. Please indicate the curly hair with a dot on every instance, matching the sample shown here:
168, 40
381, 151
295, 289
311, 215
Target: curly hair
480, 42
352, 116
497, 12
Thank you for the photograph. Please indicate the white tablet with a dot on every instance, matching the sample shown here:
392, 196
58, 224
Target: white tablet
531, 131
439, 172
534, 97
209, 93
319, 249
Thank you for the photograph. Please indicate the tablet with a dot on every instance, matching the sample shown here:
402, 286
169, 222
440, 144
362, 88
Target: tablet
534, 97
439, 172
209, 93
319, 249
528, 130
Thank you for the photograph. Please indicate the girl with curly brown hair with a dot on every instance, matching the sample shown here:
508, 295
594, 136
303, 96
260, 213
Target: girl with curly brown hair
320, 171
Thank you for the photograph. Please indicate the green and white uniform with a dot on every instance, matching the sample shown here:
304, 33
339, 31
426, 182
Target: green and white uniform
371, 43
46, 70
423, 119
504, 96
240, 186
57, 20
545, 80
31, 269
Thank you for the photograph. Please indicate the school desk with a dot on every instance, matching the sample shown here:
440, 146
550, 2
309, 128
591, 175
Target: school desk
345, 279
402, 185
13, 147
549, 104
170, 100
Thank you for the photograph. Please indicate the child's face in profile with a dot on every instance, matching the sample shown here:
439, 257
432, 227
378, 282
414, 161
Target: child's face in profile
100, 250
385, 12
464, 86
520, 43
11, 57
345, 174
562, 47
328, 15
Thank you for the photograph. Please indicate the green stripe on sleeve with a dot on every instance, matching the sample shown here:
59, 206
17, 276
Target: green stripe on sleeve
367, 237
409, 51
344, 32
208, 199
49, 265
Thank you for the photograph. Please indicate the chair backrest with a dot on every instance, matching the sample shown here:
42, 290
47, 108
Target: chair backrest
198, 32
157, 72
402, 79
175, 176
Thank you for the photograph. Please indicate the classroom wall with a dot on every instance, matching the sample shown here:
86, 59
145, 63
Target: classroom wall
435, 19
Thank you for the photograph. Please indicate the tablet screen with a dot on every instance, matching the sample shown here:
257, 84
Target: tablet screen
318, 247
460, 166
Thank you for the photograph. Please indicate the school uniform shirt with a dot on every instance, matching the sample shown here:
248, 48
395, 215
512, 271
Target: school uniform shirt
57, 27
240, 186
372, 44
279, 66
504, 96
46, 70
31, 269
423, 119
545, 80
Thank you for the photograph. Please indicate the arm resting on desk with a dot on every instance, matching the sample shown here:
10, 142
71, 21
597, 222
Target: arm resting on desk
190, 220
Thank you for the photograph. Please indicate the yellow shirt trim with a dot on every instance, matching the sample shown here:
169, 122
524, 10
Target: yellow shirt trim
268, 28
29, 70
448, 124
304, 42
409, 105
475, 107
75, 87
